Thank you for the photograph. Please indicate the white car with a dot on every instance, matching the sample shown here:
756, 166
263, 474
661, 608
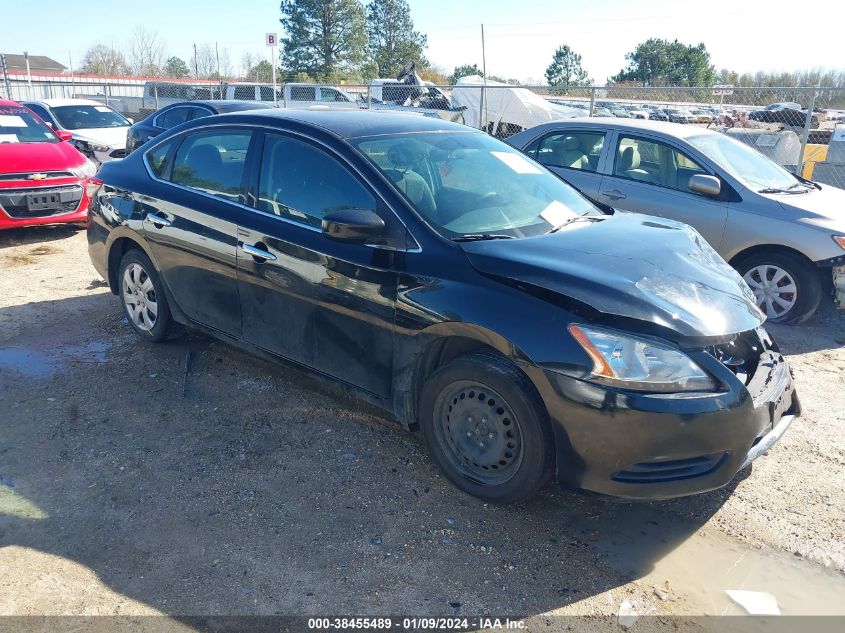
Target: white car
637, 112
99, 132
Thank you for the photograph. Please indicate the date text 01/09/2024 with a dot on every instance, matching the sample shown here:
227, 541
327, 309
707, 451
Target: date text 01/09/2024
414, 623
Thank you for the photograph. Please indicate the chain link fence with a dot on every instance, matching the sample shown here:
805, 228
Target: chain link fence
801, 128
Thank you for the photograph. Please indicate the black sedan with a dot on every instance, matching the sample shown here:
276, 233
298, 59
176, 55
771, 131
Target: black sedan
447, 278
178, 113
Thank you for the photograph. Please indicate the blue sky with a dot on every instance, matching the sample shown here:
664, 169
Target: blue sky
520, 35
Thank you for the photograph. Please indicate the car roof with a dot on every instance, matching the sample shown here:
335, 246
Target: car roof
224, 105
612, 123
57, 103
357, 123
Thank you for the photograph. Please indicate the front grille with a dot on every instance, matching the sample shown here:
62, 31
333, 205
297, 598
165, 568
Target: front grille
49, 175
670, 470
14, 201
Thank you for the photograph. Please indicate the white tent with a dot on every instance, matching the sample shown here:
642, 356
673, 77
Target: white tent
505, 107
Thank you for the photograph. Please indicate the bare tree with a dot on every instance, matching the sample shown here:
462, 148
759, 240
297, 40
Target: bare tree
104, 60
247, 62
147, 53
205, 61
212, 62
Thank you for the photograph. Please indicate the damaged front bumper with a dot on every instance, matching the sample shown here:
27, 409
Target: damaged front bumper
657, 446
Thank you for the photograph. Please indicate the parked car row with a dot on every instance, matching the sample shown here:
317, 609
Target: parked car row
514, 302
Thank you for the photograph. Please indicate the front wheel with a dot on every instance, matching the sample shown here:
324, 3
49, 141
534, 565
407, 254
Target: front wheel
486, 428
787, 288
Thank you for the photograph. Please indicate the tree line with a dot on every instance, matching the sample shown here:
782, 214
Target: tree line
348, 41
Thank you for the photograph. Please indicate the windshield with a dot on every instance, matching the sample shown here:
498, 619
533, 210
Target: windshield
80, 117
22, 126
743, 162
471, 184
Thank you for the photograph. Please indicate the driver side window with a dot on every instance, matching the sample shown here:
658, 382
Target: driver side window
655, 163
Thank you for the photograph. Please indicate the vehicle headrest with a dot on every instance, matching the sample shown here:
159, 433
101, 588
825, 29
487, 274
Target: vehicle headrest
629, 158
570, 143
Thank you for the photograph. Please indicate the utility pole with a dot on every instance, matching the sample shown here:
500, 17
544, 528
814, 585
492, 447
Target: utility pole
483, 83
196, 64
6, 76
28, 76
217, 52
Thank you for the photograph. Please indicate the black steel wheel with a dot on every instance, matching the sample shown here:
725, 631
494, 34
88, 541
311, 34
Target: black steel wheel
487, 428
478, 432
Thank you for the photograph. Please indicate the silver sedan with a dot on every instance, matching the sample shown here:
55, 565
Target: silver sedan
785, 235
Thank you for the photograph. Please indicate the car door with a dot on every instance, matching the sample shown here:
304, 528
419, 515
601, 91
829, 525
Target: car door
648, 175
191, 221
326, 304
574, 155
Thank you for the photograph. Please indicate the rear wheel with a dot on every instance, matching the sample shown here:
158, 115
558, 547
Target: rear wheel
787, 288
486, 428
142, 297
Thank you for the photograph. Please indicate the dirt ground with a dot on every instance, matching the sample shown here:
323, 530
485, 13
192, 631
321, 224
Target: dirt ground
131, 486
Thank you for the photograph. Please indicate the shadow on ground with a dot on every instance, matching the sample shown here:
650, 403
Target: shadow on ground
238, 487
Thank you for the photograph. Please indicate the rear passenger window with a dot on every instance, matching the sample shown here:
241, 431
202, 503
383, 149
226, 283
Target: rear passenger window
212, 163
573, 150
246, 93
303, 93
157, 158
302, 183
172, 118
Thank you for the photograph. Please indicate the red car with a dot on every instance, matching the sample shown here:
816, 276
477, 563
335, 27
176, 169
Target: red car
43, 179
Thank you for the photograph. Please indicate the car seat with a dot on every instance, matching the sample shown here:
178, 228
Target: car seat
567, 153
628, 165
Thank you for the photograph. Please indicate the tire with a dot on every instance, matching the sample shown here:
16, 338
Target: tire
143, 298
486, 428
780, 305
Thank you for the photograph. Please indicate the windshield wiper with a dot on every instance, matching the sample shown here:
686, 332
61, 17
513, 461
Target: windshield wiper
477, 237
787, 190
557, 228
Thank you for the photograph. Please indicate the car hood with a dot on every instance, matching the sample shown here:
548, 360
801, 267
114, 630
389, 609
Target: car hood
114, 137
33, 157
824, 207
629, 265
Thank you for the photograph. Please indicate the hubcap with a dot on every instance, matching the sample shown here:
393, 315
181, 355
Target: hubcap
478, 432
774, 289
139, 297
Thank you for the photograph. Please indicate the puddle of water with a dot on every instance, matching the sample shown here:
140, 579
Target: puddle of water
26, 362
704, 566
700, 565
34, 363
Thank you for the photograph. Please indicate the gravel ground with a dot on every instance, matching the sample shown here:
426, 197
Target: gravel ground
130, 486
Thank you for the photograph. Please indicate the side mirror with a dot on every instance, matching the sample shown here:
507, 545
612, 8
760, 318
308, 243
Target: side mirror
356, 226
64, 135
706, 185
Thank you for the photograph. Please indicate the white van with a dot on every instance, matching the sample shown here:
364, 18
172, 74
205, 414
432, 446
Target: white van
292, 95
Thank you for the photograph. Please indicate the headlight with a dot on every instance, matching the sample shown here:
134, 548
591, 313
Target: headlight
639, 364
86, 146
839, 239
85, 170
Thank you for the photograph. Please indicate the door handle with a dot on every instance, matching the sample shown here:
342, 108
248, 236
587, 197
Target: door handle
158, 220
614, 194
258, 252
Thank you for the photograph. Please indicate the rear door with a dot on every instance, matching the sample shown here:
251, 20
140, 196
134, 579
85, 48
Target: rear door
326, 304
650, 175
574, 155
191, 223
